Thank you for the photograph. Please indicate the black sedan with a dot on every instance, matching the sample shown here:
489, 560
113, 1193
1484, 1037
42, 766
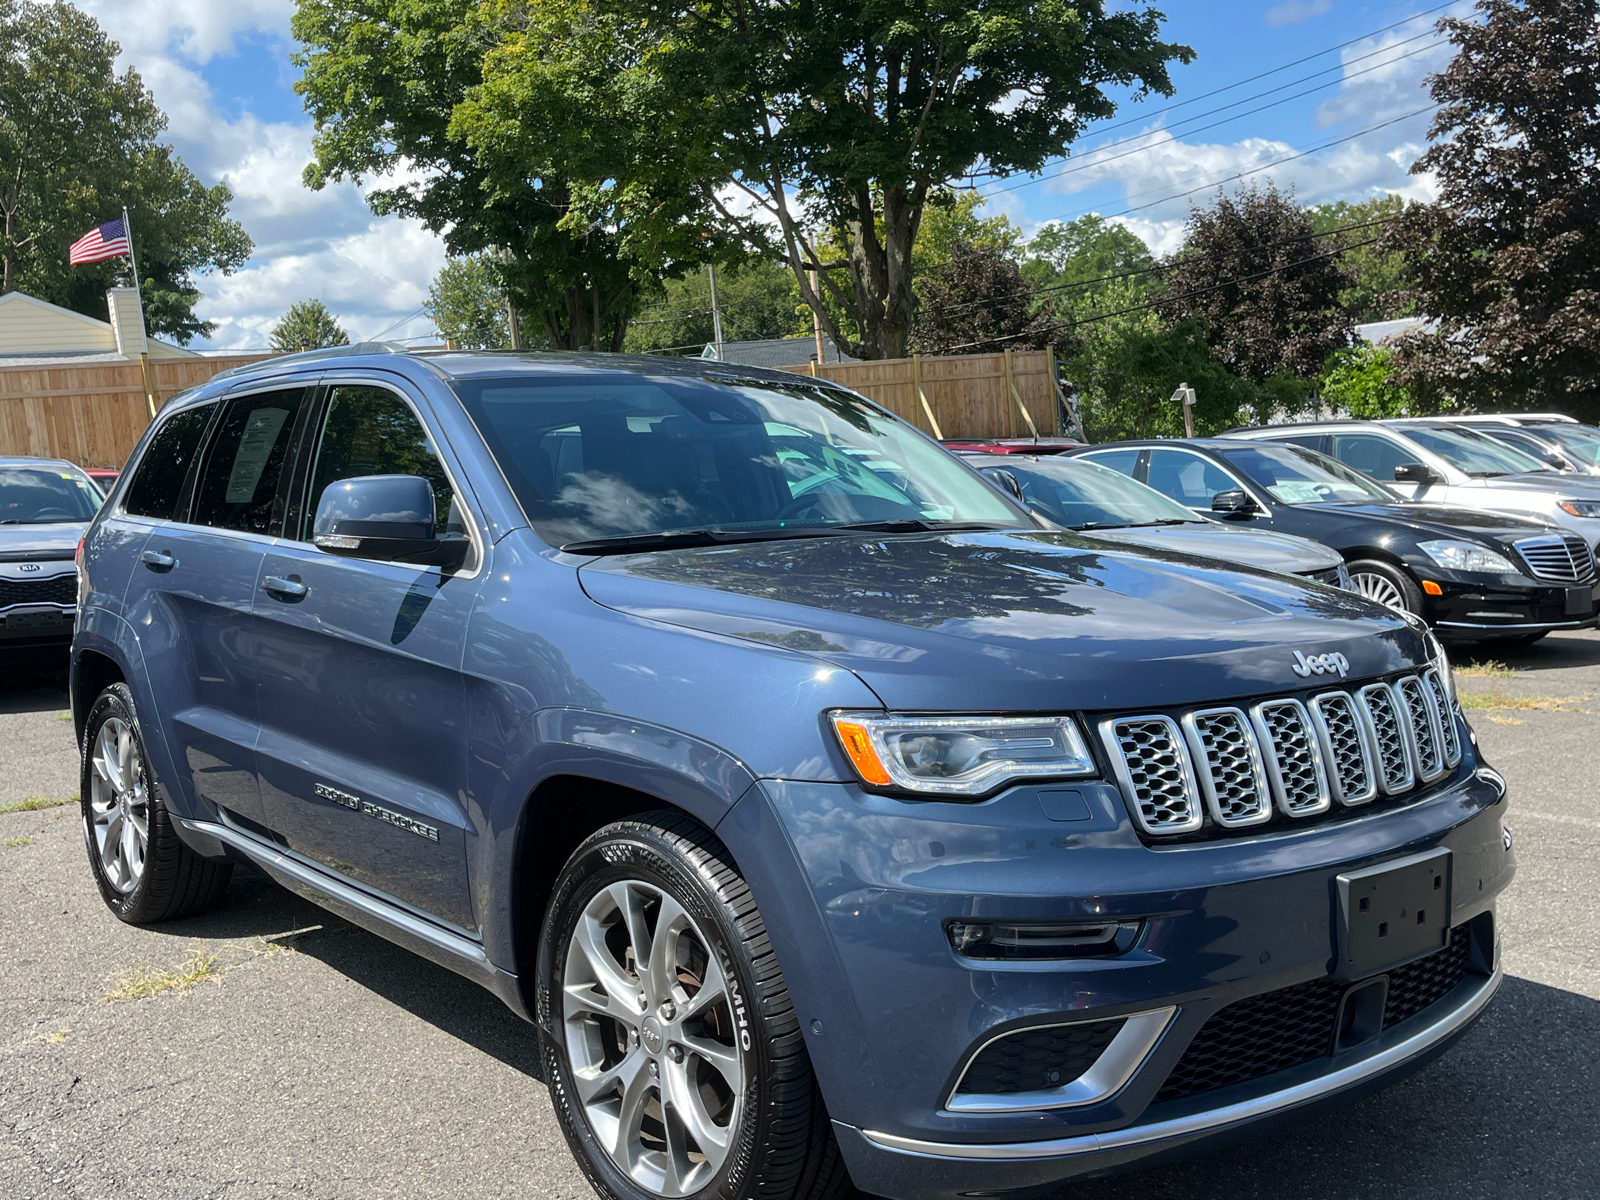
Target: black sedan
1472, 575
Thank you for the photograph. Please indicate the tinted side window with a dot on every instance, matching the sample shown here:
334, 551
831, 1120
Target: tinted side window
372, 431
1188, 478
239, 486
157, 481
1371, 455
1311, 441
1117, 460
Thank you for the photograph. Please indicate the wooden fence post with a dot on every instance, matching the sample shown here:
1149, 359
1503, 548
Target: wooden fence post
1055, 403
1011, 387
927, 409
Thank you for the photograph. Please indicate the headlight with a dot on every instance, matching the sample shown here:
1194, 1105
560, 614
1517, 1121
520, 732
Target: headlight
960, 756
1467, 556
1441, 664
1580, 508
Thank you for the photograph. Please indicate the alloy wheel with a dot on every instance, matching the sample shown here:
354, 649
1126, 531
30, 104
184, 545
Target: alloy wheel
649, 1030
1376, 587
119, 804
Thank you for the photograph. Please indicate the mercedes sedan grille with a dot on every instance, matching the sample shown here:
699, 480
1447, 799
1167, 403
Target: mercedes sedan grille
1299, 759
1558, 557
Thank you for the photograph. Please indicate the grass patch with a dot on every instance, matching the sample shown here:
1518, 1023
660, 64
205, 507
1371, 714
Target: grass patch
35, 803
1488, 669
59, 1036
13, 843
152, 981
1493, 700
66, 716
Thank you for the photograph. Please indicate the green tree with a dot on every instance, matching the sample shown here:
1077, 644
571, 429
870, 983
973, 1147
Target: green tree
385, 82
1252, 271
837, 121
1507, 258
1075, 256
308, 325
1377, 292
1359, 381
78, 142
467, 303
758, 299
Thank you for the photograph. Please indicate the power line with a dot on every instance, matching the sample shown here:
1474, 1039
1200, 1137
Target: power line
1087, 164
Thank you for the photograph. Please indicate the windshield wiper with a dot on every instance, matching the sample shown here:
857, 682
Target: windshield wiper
677, 539
918, 525
1164, 521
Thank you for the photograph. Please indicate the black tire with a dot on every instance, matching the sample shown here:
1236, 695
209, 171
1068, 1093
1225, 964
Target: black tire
174, 881
782, 1144
1408, 594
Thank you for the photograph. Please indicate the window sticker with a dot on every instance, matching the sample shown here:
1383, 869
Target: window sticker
255, 447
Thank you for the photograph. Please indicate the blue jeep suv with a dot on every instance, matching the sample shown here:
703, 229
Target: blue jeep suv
830, 818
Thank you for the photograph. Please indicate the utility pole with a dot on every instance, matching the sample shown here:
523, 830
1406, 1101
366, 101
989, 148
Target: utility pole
513, 326
716, 311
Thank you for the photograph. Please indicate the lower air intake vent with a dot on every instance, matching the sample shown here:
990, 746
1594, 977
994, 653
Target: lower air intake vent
1037, 1060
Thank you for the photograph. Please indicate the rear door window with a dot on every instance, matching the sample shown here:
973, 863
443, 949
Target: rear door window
238, 486
158, 479
1375, 457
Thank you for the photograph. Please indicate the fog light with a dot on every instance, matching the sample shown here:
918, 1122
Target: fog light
1042, 940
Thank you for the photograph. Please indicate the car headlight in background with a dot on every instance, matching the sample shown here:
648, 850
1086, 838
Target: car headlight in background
1467, 556
960, 756
1580, 508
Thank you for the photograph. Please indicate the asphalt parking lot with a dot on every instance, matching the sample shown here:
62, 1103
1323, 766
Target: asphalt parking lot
298, 1056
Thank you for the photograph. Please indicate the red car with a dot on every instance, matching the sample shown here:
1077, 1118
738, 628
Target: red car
1049, 445
103, 477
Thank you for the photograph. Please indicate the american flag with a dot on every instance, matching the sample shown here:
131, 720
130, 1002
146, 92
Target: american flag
104, 241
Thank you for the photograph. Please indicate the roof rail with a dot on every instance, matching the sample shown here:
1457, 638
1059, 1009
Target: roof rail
313, 356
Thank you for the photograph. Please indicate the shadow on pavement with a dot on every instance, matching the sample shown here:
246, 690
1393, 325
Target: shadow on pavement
1559, 651
34, 689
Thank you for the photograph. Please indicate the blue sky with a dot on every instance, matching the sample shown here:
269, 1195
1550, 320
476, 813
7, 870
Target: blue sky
221, 70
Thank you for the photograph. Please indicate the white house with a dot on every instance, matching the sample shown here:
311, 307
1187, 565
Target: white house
35, 332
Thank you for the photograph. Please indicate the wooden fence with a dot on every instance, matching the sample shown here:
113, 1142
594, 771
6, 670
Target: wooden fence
93, 415
967, 395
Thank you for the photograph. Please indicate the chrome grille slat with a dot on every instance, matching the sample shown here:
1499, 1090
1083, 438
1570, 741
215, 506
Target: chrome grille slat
1419, 709
1396, 772
1227, 762
1152, 764
1347, 747
1559, 558
1450, 735
1292, 757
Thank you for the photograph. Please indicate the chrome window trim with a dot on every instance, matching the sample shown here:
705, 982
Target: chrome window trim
1108, 1075
1365, 737
1269, 754
1119, 765
1214, 1120
1202, 766
1408, 752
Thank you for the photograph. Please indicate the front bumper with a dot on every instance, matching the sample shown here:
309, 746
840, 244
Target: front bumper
890, 1165
40, 632
1479, 608
895, 1015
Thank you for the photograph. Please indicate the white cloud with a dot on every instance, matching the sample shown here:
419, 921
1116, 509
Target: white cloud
1293, 12
371, 272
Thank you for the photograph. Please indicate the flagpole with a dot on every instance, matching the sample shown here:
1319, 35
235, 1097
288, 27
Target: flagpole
138, 299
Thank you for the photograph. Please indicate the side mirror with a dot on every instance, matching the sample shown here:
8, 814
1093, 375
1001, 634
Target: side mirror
1234, 500
1416, 473
385, 517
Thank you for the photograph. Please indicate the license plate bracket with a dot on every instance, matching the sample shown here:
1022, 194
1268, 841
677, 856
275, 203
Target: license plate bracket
1580, 602
35, 618
1393, 913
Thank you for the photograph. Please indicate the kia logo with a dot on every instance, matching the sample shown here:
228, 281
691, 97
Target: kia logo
29, 567
1320, 664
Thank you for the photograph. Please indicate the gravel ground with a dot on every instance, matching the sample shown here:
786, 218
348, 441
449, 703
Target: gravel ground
313, 1059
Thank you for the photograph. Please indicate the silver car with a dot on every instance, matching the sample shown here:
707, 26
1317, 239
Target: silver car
45, 505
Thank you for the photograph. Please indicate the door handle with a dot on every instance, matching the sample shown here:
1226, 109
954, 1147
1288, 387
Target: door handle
285, 589
158, 560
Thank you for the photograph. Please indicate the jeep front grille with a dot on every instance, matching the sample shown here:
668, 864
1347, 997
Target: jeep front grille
1300, 758
1558, 557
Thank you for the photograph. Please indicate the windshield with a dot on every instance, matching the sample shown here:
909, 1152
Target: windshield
1294, 475
1580, 441
45, 496
627, 458
1473, 453
1082, 495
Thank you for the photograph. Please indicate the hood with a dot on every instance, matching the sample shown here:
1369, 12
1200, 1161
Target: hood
1547, 482
41, 543
1260, 548
1446, 521
1019, 621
